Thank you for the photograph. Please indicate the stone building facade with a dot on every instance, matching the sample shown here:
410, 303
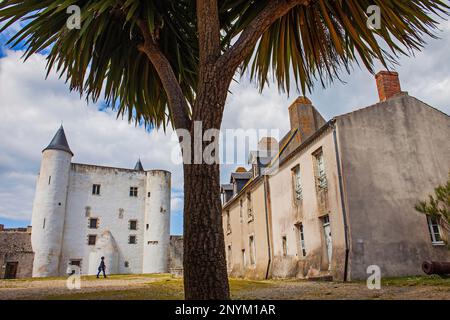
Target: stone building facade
16, 254
341, 197
83, 212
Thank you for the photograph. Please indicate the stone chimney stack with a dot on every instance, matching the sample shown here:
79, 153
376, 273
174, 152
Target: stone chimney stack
304, 117
388, 84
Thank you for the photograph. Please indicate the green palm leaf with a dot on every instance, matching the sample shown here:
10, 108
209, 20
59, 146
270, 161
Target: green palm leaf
314, 42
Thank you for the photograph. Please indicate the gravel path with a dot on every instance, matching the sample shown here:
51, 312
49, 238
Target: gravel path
169, 287
39, 289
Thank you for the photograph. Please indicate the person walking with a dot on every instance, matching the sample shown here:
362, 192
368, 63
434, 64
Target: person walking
102, 267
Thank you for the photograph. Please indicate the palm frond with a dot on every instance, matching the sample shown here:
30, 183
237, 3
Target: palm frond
101, 59
327, 37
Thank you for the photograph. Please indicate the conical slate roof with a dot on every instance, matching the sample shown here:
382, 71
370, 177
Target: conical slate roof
59, 142
139, 166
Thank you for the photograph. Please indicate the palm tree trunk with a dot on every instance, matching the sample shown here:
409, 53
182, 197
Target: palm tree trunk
205, 272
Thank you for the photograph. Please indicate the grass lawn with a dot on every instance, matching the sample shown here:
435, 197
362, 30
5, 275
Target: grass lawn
168, 287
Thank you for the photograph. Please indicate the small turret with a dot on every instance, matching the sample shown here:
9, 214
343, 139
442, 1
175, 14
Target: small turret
49, 207
139, 166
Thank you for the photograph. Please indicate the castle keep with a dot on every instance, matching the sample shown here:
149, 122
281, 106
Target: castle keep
84, 212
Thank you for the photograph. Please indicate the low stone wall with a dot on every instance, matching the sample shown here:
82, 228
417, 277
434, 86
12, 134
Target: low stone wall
176, 255
15, 247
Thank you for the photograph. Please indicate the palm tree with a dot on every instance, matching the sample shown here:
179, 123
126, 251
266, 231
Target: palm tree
172, 61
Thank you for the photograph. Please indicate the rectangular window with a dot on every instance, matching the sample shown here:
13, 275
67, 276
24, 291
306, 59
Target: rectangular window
228, 222
74, 266
249, 206
284, 245
296, 183
93, 223
75, 262
243, 258
321, 177
43, 224
241, 208
49, 179
92, 239
301, 238
87, 212
133, 225
96, 189
133, 191
251, 243
435, 231
132, 239
121, 213
230, 264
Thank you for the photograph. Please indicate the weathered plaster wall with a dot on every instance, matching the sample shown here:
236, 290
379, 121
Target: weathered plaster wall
241, 228
286, 214
393, 154
16, 247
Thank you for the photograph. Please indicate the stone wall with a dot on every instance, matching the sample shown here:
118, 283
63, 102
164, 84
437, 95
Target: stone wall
176, 255
15, 246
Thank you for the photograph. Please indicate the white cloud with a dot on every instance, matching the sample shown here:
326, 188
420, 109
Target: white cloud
32, 109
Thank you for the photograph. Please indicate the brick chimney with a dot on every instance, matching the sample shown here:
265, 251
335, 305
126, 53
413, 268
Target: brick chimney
304, 117
388, 84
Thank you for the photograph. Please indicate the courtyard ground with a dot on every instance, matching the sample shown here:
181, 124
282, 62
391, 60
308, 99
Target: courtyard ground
166, 286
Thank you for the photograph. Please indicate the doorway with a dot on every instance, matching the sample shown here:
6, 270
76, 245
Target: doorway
328, 238
11, 270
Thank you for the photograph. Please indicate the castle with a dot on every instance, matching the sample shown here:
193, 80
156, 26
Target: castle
84, 212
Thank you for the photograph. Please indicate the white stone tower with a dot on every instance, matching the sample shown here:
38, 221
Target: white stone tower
49, 207
157, 222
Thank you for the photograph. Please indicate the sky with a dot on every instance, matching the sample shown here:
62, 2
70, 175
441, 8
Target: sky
32, 109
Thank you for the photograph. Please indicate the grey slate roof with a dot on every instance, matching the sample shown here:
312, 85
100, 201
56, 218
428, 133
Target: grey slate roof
227, 187
59, 142
241, 175
139, 166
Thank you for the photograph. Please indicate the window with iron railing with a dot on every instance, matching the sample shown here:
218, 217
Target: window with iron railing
296, 182
321, 177
249, 207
